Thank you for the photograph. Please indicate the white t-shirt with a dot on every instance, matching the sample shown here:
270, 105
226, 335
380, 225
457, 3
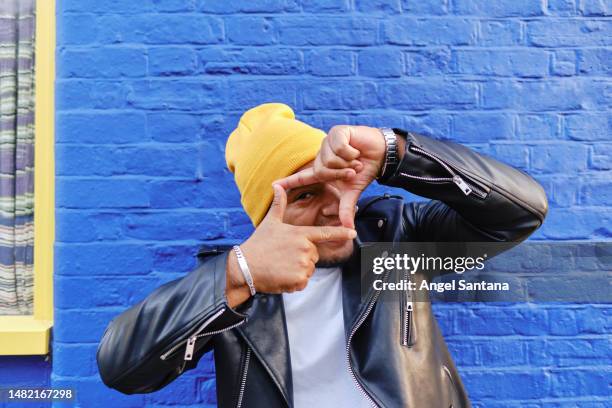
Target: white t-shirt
317, 344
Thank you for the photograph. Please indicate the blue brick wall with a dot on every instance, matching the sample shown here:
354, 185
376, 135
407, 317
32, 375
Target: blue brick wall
147, 92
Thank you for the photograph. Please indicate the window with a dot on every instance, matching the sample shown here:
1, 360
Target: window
29, 334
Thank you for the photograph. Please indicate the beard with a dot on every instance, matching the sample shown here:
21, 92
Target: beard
335, 257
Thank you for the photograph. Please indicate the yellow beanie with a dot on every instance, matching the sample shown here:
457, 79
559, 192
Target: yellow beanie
268, 144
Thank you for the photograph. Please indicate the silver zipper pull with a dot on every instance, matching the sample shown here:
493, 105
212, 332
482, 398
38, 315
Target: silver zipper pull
409, 306
462, 184
190, 347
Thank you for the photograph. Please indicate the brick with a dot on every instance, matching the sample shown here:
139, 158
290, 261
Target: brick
352, 95
544, 95
195, 193
531, 63
428, 62
172, 61
426, 7
439, 31
564, 63
537, 127
346, 30
559, 158
378, 5
595, 7
562, 7
161, 29
103, 259
75, 359
417, 95
103, 62
248, 93
141, 160
330, 62
600, 157
523, 8
175, 127
111, 6
101, 127
434, 125
510, 153
185, 225
93, 226
251, 30
87, 94
380, 63
182, 95
71, 30
324, 6
499, 33
108, 292
569, 33
596, 192
232, 7
505, 384
577, 224
590, 381
101, 193
595, 61
591, 127
252, 61
481, 127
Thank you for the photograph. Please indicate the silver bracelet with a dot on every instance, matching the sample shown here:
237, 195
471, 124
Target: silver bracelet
244, 267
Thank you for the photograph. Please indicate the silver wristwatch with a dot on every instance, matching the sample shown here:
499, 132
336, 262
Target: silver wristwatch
391, 154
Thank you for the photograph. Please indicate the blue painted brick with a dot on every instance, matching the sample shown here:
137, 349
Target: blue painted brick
601, 156
101, 127
103, 259
589, 127
499, 32
388, 6
175, 127
346, 30
380, 63
559, 158
439, 7
569, 33
102, 62
564, 63
482, 127
251, 30
162, 94
416, 95
595, 61
412, 31
93, 226
172, 61
596, 192
261, 6
524, 8
352, 95
324, 6
562, 7
539, 126
253, 61
595, 7
102, 193
83, 94
330, 62
428, 62
528, 63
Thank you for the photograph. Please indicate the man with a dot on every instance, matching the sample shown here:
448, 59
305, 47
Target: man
282, 311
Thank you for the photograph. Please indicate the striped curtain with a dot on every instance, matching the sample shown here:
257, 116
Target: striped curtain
16, 156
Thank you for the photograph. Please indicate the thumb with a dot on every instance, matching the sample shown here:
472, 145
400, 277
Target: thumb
346, 209
279, 203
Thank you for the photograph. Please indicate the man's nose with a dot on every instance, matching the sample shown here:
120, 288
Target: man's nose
331, 200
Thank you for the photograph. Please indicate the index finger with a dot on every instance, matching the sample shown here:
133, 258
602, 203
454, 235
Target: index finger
328, 233
301, 178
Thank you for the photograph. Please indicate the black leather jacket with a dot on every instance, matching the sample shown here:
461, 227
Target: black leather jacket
152, 343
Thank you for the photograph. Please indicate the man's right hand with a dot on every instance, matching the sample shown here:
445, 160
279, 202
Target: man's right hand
281, 257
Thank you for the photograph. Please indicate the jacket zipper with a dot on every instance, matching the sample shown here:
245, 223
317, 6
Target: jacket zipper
408, 315
191, 340
348, 345
466, 188
245, 371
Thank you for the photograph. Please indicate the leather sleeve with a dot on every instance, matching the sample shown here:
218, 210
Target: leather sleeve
486, 201
144, 348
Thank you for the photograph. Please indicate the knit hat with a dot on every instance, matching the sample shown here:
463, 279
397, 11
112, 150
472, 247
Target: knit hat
268, 144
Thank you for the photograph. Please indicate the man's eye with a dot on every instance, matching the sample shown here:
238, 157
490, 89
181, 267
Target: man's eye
303, 196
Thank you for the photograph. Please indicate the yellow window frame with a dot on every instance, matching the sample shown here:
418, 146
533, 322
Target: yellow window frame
27, 335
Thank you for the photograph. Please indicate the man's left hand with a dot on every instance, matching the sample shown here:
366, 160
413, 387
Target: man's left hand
350, 158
